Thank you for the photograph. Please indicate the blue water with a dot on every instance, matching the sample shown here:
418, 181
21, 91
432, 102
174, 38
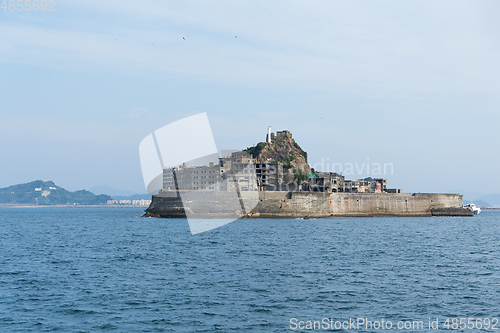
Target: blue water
102, 269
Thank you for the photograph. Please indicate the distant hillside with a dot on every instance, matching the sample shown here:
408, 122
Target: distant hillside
48, 193
492, 199
132, 197
104, 189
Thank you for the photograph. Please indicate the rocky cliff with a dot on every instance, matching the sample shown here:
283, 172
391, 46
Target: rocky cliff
283, 149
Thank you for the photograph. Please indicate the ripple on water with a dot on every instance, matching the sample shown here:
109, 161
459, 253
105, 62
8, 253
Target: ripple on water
109, 270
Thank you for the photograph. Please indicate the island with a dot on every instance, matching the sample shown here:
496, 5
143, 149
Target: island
273, 179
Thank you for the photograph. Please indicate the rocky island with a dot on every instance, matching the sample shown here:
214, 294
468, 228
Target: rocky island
274, 179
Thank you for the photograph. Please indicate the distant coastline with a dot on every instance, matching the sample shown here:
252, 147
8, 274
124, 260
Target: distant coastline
45, 193
4, 205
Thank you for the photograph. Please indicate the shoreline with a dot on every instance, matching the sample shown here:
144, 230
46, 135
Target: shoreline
69, 206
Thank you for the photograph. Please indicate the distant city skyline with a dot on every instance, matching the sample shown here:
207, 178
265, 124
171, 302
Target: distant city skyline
414, 85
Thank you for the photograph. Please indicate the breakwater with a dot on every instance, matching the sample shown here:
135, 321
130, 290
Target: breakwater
272, 204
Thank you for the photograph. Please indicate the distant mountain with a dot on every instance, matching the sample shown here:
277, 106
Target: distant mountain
480, 199
132, 197
48, 193
119, 194
493, 199
105, 189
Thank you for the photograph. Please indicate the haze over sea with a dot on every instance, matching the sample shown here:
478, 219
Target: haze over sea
99, 270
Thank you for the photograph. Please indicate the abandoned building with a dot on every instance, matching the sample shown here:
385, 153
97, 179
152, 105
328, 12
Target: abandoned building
327, 182
270, 137
241, 171
190, 178
231, 171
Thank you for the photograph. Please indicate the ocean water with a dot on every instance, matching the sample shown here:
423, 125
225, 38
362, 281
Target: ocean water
103, 269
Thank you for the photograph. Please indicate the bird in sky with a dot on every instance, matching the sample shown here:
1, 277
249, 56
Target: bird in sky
183, 38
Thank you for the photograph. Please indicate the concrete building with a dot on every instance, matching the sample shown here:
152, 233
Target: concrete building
237, 169
270, 136
141, 202
269, 176
357, 186
327, 182
191, 178
368, 185
336, 183
240, 171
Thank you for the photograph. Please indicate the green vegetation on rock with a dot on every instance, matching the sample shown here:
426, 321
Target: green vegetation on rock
255, 150
287, 162
302, 152
300, 175
283, 149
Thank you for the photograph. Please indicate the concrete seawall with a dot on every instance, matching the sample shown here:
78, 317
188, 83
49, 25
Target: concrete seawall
356, 204
307, 204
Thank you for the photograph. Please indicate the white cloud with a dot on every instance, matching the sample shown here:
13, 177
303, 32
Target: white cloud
359, 47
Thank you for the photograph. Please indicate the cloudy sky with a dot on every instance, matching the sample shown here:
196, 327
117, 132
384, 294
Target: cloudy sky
414, 84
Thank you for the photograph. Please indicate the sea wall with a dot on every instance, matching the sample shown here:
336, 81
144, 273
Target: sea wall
357, 204
307, 204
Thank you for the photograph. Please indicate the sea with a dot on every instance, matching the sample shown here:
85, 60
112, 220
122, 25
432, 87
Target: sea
111, 270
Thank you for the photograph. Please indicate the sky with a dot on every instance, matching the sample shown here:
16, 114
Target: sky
413, 85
